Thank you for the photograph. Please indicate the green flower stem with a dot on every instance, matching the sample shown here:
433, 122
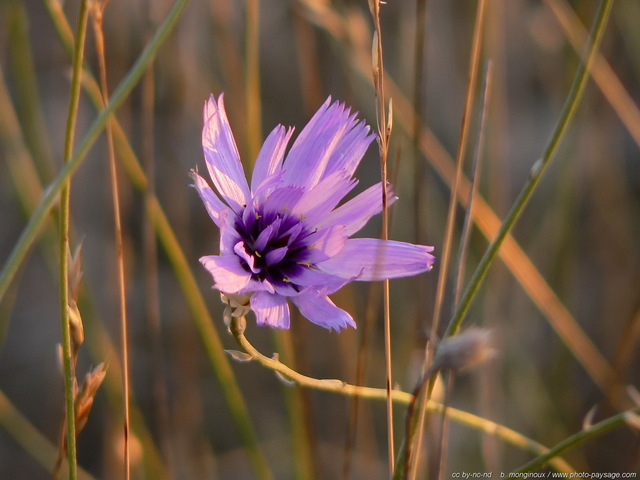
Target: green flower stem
68, 366
399, 397
539, 167
580, 437
197, 305
39, 216
29, 190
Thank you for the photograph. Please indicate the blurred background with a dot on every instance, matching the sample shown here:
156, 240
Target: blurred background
573, 266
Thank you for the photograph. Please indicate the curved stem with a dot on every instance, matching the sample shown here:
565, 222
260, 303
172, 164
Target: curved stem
580, 437
399, 397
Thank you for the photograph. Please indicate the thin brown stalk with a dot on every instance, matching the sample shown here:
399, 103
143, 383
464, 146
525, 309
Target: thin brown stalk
514, 257
419, 87
601, 72
475, 181
420, 199
448, 238
384, 132
511, 252
28, 189
464, 242
462, 149
97, 10
361, 364
488, 223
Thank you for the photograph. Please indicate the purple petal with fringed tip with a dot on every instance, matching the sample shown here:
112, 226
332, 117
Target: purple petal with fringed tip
221, 154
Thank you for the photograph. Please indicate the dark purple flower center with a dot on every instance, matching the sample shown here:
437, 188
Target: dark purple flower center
274, 247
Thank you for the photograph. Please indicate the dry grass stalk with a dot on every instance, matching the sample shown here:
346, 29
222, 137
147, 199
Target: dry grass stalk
384, 127
83, 396
97, 11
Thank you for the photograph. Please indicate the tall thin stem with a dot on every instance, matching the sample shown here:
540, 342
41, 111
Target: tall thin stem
97, 15
65, 195
384, 132
39, 216
448, 238
539, 167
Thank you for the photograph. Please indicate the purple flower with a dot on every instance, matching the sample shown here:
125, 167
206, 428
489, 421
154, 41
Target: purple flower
285, 235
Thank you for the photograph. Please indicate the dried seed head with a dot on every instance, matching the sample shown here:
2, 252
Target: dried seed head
84, 399
375, 58
390, 118
467, 349
75, 326
75, 272
59, 359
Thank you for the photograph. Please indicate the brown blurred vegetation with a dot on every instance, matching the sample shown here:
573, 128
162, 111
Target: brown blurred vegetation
581, 230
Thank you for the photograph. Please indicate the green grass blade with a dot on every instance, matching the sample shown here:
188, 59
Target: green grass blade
39, 216
538, 169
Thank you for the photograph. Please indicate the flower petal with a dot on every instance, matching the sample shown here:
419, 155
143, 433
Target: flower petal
310, 277
351, 148
280, 200
271, 309
331, 141
318, 201
274, 256
229, 236
221, 154
319, 309
355, 213
326, 243
267, 234
228, 274
241, 251
269, 159
372, 259
211, 201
